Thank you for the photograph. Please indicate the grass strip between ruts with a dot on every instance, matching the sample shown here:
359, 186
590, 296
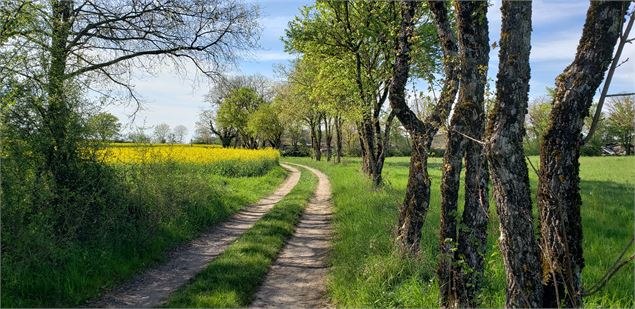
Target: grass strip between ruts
232, 279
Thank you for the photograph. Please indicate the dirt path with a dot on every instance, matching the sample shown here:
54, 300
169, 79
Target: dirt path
151, 288
297, 278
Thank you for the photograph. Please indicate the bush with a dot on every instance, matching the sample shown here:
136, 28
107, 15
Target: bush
299, 151
62, 245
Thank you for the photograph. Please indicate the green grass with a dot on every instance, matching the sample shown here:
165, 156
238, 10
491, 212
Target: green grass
232, 278
368, 272
159, 207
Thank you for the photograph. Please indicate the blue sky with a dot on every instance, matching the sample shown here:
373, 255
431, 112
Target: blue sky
557, 25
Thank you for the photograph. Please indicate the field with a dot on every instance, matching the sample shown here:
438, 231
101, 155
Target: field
367, 271
147, 201
220, 161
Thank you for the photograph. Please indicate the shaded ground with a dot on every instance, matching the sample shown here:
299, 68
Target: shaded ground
152, 287
297, 278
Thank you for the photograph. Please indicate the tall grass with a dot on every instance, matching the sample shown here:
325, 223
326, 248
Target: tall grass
368, 272
119, 220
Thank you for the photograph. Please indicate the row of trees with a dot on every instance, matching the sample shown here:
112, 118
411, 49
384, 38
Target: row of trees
613, 127
354, 56
242, 113
106, 127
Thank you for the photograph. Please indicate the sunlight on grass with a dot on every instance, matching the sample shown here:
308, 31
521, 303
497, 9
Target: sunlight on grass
367, 271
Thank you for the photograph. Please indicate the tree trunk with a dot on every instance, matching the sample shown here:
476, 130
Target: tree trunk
506, 155
417, 199
369, 146
462, 250
446, 270
60, 150
473, 233
314, 140
558, 190
365, 162
328, 129
317, 147
338, 138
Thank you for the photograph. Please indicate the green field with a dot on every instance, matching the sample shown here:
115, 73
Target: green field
368, 272
147, 211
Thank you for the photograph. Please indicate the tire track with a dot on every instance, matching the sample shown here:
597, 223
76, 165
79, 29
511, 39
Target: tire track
297, 278
152, 287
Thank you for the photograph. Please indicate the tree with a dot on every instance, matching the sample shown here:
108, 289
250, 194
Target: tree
266, 126
139, 136
504, 148
68, 41
104, 126
621, 122
592, 145
208, 125
297, 101
461, 266
161, 133
235, 110
417, 199
537, 121
351, 31
559, 198
180, 132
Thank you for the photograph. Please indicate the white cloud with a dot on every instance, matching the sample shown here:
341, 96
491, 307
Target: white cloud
556, 48
550, 11
263, 55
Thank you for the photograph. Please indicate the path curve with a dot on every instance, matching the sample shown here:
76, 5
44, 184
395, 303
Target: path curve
297, 278
152, 287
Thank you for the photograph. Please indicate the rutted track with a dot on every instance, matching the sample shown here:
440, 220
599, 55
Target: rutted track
297, 278
152, 287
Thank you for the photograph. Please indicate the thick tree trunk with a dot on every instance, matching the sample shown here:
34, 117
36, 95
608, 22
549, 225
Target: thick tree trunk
473, 233
506, 155
558, 191
417, 199
60, 150
447, 269
460, 270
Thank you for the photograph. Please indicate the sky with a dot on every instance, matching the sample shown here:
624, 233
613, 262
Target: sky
177, 99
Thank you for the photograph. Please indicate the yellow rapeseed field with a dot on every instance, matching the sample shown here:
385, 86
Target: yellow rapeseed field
184, 154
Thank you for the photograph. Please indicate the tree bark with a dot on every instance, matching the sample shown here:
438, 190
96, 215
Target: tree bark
338, 138
558, 190
417, 199
462, 250
506, 155
328, 130
60, 152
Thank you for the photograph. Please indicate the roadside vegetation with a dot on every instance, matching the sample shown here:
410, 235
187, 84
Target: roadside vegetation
128, 218
232, 279
369, 271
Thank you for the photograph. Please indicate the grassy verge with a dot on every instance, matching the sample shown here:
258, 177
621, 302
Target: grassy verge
367, 271
140, 213
232, 278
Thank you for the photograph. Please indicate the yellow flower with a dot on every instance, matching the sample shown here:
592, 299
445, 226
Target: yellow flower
201, 154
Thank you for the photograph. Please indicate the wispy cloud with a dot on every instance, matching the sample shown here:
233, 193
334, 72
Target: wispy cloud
560, 47
264, 55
